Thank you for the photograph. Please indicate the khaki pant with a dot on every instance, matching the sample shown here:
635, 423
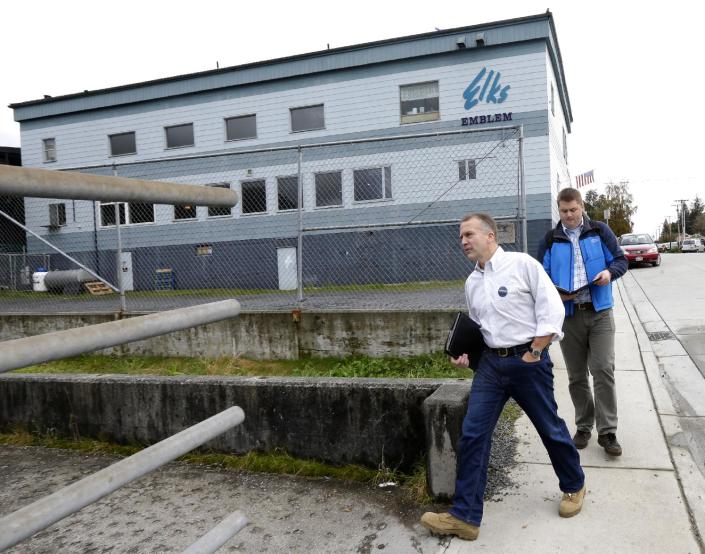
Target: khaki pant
588, 346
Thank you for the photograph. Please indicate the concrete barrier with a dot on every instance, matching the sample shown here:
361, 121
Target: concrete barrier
339, 421
270, 335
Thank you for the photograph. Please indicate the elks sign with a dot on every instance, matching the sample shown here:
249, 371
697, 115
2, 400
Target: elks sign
486, 87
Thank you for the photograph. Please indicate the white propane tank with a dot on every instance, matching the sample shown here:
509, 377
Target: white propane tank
38, 280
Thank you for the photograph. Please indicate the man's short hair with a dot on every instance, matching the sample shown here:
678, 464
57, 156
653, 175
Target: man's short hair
568, 195
486, 219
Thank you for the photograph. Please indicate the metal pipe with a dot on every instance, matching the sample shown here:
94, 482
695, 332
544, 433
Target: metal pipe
219, 535
71, 342
39, 515
43, 183
50, 245
398, 224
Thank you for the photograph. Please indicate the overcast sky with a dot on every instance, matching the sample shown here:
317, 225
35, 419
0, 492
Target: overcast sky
632, 73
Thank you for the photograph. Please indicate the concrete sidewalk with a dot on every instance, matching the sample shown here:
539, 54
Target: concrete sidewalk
635, 503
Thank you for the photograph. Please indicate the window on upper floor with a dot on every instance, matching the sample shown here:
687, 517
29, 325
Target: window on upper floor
184, 212
373, 183
57, 215
467, 170
49, 145
553, 100
329, 188
219, 211
179, 136
241, 127
133, 213
287, 193
565, 145
254, 196
122, 144
307, 118
419, 102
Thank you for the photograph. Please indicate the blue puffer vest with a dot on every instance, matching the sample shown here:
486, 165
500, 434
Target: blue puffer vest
600, 251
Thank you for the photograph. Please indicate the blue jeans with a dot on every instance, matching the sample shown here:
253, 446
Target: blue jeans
531, 385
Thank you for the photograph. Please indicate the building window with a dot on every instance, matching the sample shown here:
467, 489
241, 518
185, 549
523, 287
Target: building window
565, 145
419, 102
241, 127
179, 136
287, 193
308, 118
49, 149
219, 211
122, 144
254, 197
372, 184
184, 212
553, 105
130, 214
558, 183
329, 188
467, 170
57, 215
204, 249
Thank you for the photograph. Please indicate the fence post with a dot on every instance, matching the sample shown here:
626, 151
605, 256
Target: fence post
120, 284
300, 243
522, 193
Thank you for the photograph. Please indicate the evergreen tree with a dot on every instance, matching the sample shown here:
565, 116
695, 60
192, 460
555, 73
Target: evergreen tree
697, 208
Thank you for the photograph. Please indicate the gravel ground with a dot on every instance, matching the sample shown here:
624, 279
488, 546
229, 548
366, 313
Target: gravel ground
171, 508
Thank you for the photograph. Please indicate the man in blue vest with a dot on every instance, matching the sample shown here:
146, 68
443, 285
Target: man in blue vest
583, 255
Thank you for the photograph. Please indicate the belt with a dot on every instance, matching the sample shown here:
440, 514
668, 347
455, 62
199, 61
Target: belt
517, 350
584, 306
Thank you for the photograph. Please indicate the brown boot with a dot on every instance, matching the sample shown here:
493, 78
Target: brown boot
446, 524
572, 503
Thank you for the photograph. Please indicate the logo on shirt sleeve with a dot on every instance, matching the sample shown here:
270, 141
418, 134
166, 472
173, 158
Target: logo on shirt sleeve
502, 291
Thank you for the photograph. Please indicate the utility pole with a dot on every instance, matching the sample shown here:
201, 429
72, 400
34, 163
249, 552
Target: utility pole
680, 212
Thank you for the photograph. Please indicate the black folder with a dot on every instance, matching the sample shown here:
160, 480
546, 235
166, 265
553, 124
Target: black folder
465, 337
576, 291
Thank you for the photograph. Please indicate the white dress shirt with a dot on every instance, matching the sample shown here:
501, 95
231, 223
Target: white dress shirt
513, 300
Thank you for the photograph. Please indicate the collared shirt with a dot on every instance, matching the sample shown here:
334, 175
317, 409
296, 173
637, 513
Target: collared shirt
579, 274
513, 300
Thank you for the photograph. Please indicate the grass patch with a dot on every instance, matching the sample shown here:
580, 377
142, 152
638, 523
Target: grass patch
426, 366
412, 485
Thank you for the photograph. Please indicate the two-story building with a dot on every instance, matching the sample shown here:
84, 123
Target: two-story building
392, 142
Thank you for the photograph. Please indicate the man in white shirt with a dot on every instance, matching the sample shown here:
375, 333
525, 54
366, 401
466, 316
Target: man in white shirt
520, 313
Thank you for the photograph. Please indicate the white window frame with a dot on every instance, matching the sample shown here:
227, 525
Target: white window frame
241, 203
285, 210
466, 169
185, 219
384, 198
166, 136
110, 144
291, 117
225, 124
46, 150
127, 215
405, 119
315, 190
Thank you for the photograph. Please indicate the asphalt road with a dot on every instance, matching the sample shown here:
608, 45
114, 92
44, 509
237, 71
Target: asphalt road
676, 289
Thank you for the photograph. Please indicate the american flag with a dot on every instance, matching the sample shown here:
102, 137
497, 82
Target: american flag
584, 179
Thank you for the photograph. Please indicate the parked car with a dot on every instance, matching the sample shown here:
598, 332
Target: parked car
640, 249
693, 245
666, 246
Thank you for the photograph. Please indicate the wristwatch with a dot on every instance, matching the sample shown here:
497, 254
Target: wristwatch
535, 352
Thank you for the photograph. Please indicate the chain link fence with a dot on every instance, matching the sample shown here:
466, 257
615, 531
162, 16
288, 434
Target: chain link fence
373, 226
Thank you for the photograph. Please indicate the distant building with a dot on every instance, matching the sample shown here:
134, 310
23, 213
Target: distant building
12, 238
492, 75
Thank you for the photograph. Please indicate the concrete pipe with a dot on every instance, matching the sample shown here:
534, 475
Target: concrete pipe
72, 342
43, 183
